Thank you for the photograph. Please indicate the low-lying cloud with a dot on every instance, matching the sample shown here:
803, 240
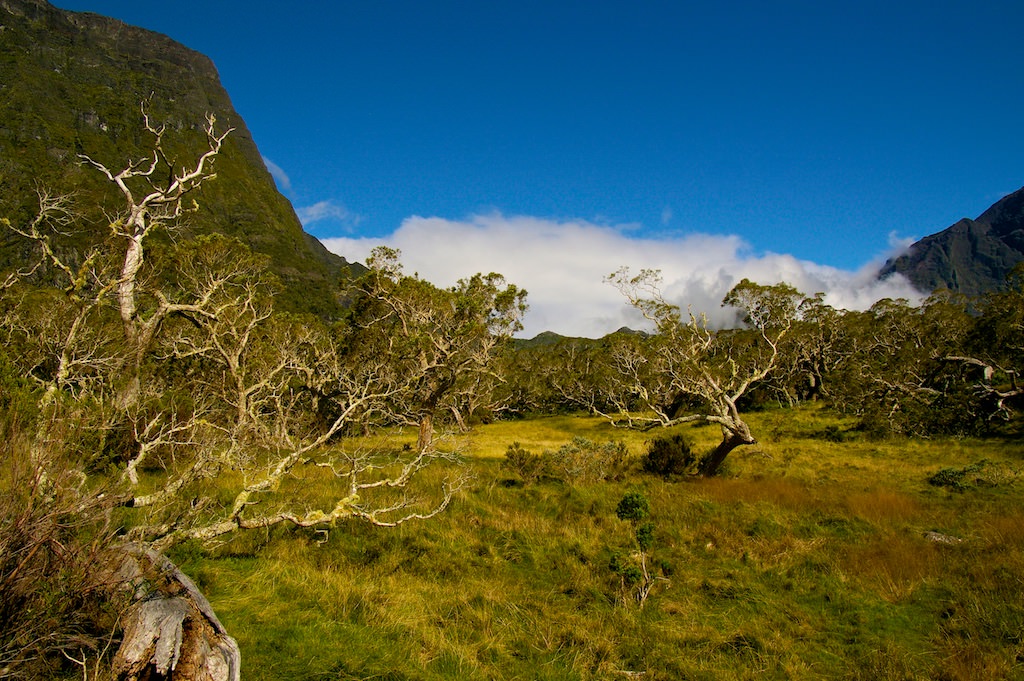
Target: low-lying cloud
563, 266
327, 210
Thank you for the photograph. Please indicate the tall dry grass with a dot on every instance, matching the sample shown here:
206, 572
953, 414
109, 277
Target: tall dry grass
56, 614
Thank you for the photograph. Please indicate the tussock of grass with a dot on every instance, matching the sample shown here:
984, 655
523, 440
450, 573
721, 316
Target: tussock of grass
809, 559
895, 565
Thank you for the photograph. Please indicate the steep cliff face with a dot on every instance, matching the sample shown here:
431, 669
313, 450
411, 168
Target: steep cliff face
72, 83
971, 257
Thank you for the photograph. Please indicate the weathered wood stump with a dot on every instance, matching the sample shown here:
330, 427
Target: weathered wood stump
170, 631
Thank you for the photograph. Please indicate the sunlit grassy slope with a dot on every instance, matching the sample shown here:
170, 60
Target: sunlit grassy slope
808, 559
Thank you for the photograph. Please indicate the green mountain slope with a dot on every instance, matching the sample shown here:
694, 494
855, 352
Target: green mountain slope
73, 83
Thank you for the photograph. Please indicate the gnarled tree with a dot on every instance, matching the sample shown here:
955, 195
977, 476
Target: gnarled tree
202, 404
444, 340
686, 372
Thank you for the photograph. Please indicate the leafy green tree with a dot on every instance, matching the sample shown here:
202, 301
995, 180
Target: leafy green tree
444, 340
56, 313
901, 376
154, 191
993, 357
563, 375
686, 372
290, 392
816, 346
272, 392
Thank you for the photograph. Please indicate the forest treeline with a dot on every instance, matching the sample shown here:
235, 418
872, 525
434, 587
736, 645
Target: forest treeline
153, 395
948, 365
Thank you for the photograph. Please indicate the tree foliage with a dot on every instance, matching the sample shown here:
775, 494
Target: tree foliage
442, 340
169, 352
686, 372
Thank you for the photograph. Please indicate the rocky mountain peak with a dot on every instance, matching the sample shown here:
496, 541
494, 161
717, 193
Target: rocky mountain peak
972, 257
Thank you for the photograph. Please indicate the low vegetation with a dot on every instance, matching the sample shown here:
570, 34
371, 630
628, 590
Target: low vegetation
808, 559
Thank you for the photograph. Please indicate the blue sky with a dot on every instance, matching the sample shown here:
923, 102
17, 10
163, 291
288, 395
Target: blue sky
809, 135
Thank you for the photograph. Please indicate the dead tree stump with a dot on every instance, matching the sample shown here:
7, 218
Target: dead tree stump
170, 631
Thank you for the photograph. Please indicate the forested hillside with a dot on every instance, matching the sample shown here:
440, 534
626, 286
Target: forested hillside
73, 84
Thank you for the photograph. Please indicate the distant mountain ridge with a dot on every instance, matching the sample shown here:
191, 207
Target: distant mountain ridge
72, 83
972, 257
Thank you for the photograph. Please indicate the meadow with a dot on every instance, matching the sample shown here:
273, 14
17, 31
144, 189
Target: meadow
819, 554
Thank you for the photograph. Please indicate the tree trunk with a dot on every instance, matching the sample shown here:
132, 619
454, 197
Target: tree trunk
171, 631
460, 420
712, 463
133, 259
426, 436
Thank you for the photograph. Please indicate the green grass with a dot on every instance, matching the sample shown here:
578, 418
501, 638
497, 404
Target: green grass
547, 432
808, 559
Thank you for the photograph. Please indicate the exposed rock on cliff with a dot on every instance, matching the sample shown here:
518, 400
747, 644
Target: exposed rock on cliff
971, 257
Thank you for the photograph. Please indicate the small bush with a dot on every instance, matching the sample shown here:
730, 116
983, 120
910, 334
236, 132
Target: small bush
668, 456
833, 433
54, 563
633, 507
949, 477
622, 565
876, 425
984, 473
633, 570
583, 461
645, 536
523, 462
579, 461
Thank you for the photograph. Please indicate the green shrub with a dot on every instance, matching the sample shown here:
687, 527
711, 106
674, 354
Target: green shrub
982, 473
645, 536
668, 456
624, 566
583, 461
577, 462
635, 577
633, 507
833, 433
523, 462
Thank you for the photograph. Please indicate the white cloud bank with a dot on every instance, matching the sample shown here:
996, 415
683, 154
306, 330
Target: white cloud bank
562, 264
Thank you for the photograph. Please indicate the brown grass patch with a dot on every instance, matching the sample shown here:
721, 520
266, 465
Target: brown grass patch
1006, 531
894, 565
883, 506
971, 660
778, 491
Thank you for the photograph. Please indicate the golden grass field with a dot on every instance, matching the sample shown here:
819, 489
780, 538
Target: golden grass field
808, 559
